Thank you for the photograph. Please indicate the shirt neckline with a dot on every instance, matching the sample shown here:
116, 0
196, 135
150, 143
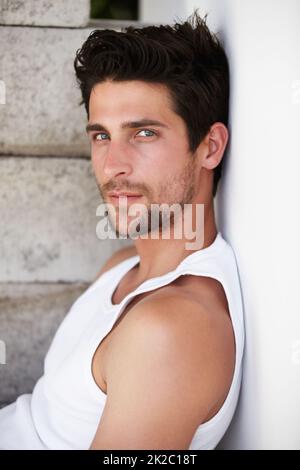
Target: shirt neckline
131, 262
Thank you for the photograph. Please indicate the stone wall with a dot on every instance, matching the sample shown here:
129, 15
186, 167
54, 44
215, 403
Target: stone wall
49, 252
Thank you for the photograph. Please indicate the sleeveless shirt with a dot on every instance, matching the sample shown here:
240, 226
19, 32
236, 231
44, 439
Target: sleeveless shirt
65, 407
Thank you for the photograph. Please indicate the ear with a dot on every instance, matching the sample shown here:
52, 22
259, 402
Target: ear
216, 140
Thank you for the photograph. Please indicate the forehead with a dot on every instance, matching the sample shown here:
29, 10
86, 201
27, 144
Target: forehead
131, 98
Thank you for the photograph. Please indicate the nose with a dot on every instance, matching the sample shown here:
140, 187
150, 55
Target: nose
117, 161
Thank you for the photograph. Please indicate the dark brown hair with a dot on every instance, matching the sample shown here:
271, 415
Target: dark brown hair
186, 57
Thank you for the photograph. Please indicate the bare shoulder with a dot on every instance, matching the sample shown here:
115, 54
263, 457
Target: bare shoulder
116, 258
176, 358
181, 336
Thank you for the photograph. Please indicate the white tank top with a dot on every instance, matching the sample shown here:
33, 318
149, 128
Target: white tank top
65, 407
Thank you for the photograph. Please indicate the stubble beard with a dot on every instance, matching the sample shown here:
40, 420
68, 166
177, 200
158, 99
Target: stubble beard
154, 218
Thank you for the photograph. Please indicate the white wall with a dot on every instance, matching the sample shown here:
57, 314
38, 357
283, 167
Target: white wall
153, 11
258, 207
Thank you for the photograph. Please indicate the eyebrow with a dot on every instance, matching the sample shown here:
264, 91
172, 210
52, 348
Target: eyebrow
127, 125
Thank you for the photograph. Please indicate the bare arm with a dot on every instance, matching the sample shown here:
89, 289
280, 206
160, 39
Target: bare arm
173, 364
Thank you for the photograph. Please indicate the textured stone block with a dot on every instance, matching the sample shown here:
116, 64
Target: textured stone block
29, 317
45, 12
42, 115
48, 221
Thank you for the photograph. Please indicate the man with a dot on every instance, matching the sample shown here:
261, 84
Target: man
149, 357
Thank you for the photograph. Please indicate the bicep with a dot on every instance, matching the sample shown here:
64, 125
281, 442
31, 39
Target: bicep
152, 403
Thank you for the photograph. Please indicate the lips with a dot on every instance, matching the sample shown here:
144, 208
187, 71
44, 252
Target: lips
127, 198
123, 194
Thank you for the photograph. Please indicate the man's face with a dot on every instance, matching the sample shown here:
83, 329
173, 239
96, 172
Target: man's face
151, 160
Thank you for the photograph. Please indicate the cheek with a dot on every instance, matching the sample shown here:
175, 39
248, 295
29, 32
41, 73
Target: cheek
97, 170
163, 153
97, 159
169, 157
94, 162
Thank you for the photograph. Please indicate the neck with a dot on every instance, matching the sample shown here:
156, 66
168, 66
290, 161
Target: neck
159, 256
